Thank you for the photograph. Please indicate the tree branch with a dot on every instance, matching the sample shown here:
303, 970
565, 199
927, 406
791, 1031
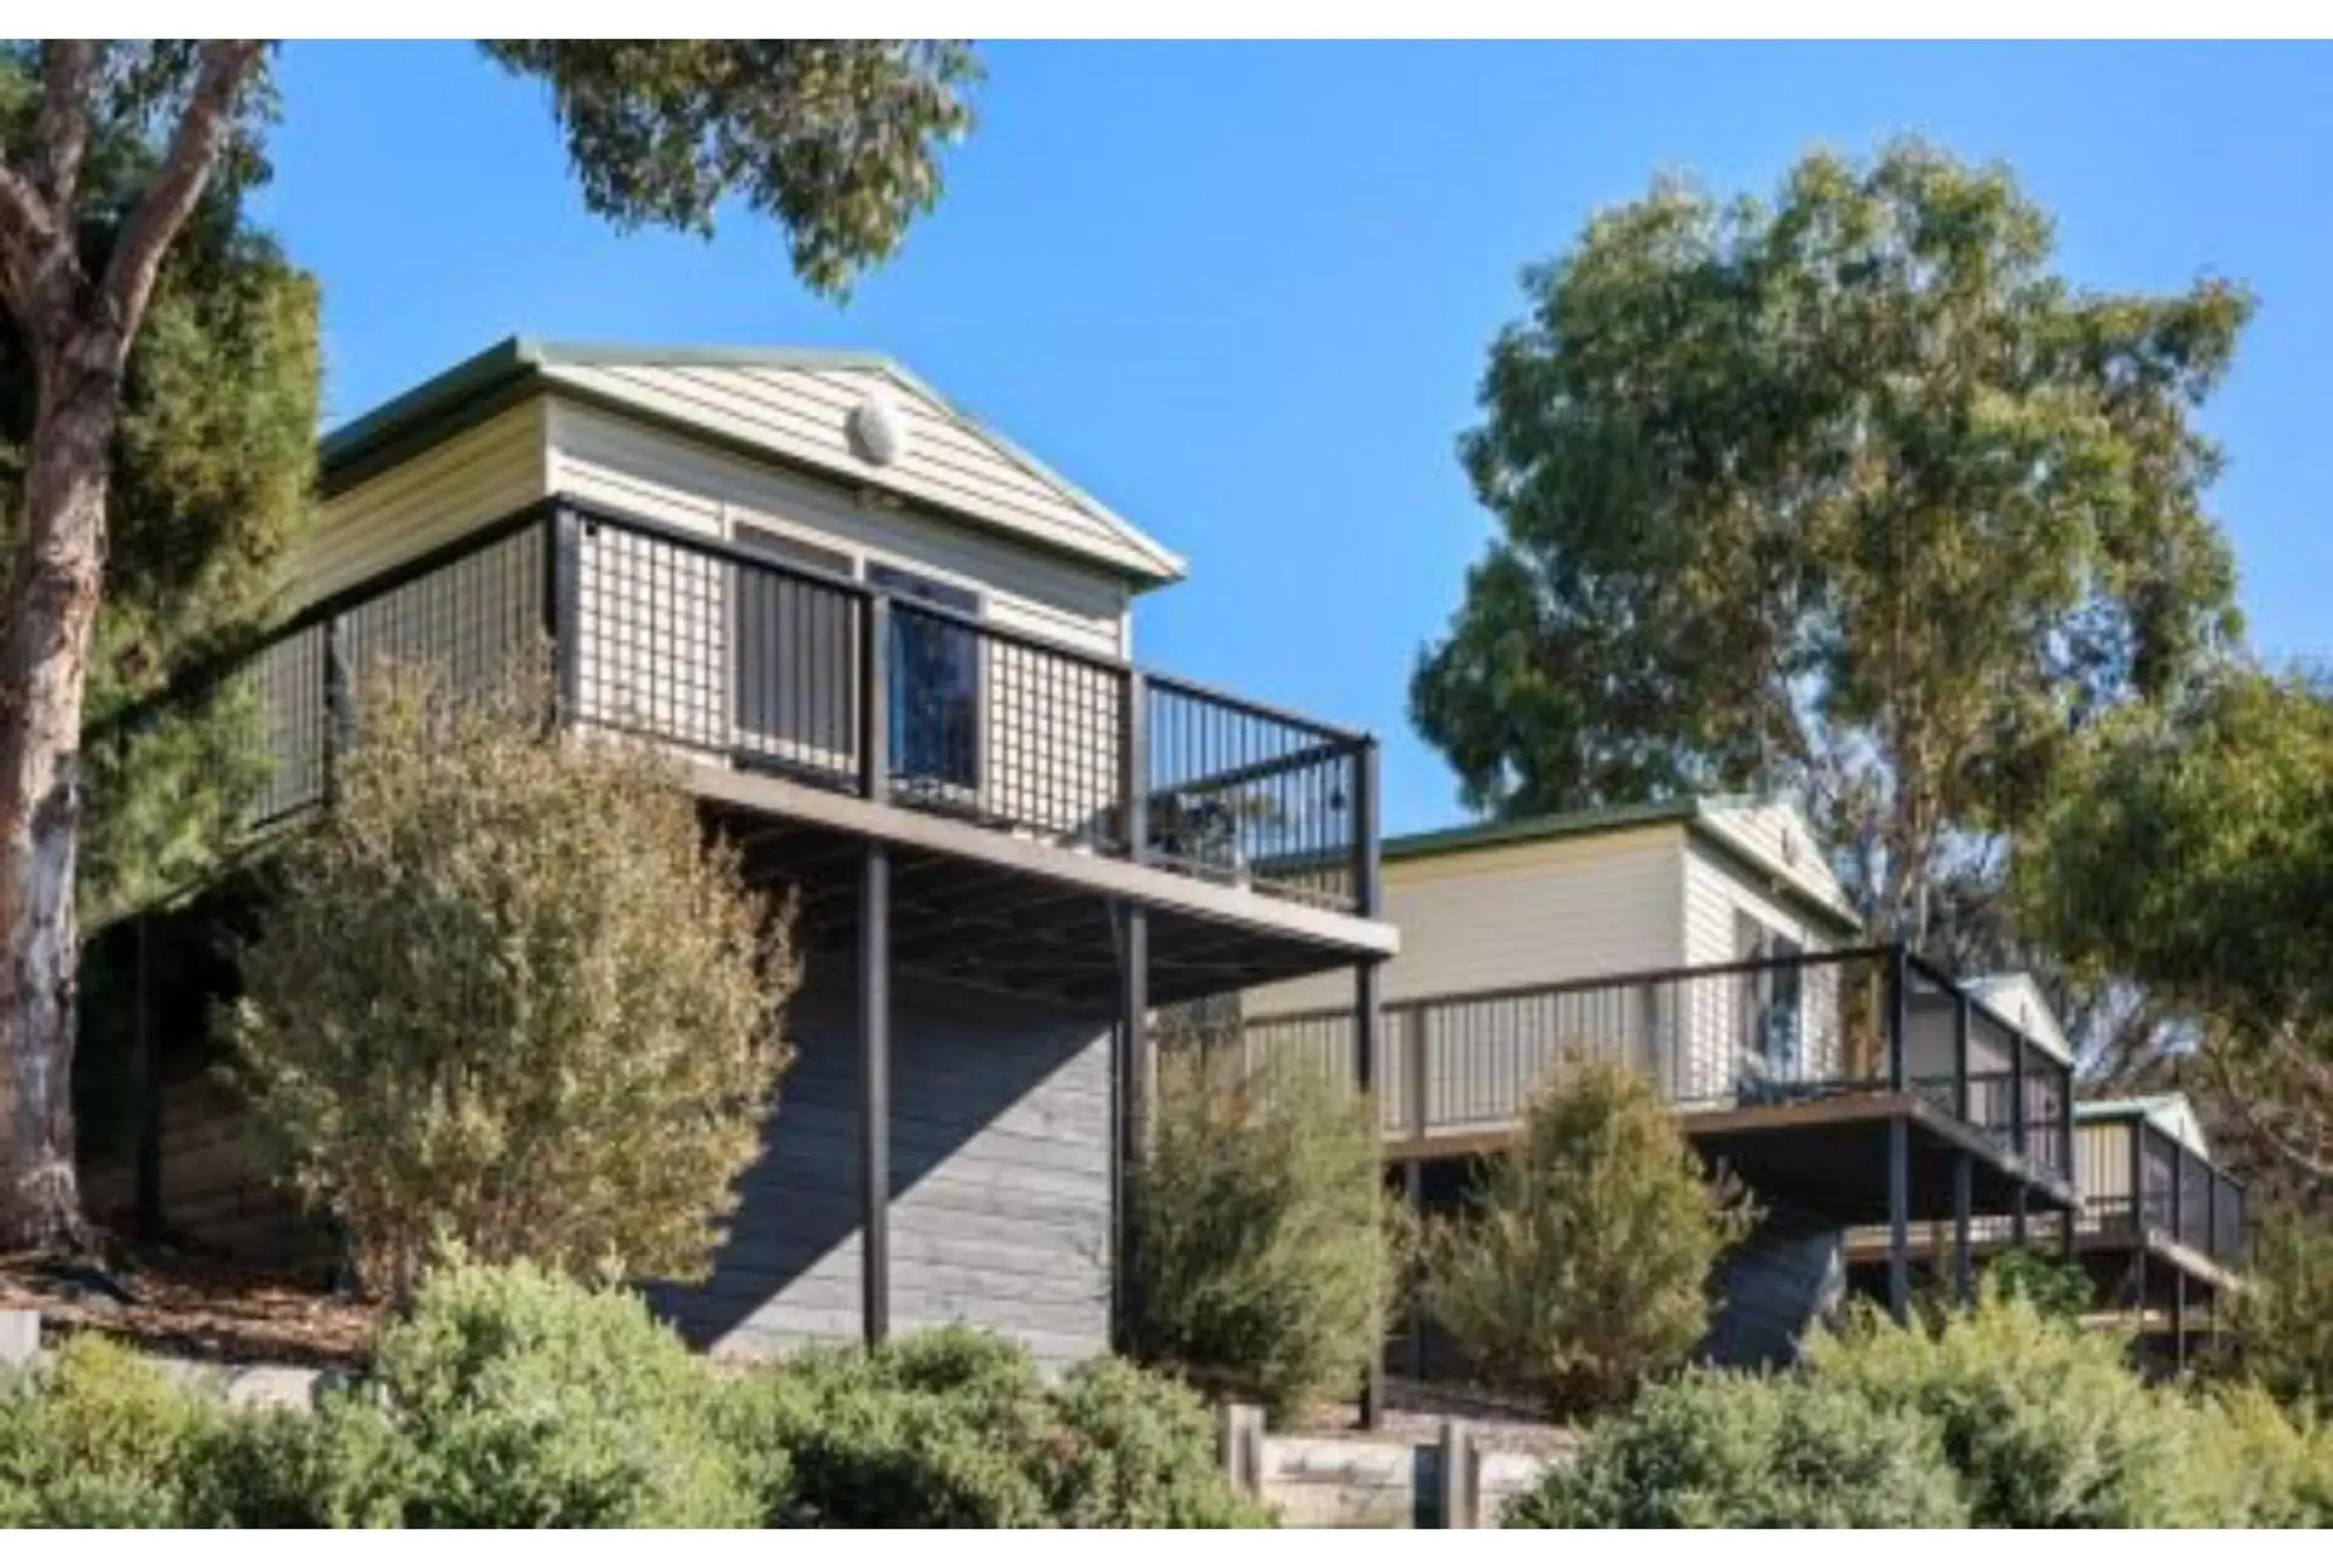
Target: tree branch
176, 185
67, 69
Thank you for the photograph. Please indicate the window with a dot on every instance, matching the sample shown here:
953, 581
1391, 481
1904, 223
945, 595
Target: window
1770, 996
792, 649
935, 697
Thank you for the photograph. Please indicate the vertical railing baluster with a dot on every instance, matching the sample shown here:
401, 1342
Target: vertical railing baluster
1134, 760
874, 697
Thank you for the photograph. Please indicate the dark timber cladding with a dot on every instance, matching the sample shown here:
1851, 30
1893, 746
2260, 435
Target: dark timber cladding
950, 804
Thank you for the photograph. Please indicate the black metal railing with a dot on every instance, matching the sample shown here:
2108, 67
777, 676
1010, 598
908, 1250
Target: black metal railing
2136, 1178
1720, 1037
732, 656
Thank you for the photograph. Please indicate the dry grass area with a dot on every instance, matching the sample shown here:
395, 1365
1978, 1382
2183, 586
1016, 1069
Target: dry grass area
1414, 1413
182, 1306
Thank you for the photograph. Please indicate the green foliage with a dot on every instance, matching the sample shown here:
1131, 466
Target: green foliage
1718, 1450
1583, 1267
2044, 1423
208, 494
2280, 1330
99, 1439
954, 1428
2058, 1289
1849, 495
2265, 1471
1268, 1250
521, 1399
506, 996
2190, 851
835, 139
2001, 1417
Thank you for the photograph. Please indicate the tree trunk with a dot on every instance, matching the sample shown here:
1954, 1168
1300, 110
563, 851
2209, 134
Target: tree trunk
52, 604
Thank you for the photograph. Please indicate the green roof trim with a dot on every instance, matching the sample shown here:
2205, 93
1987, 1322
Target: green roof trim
2113, 1109
493, 380
1533, 830
1690, 812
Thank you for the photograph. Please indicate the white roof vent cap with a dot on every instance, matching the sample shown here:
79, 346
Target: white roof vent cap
878, 435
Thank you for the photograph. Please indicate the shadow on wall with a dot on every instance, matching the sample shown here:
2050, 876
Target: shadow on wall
1000, 1180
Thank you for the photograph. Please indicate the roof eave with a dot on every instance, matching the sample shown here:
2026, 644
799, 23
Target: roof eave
492, 379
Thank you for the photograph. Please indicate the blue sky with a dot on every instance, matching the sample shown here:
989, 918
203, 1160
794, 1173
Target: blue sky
1243, 292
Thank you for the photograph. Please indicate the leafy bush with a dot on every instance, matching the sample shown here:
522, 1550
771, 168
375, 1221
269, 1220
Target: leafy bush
1583, 1267
2280, 1325
954, 1428
101, 1439
2044, 1423
1716, 1449
510, 1397
507, 995
2266, 1471
1267, 1252
2058, 1289
519, 1398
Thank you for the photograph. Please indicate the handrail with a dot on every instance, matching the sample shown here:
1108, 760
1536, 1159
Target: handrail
705, 644
1707, 1046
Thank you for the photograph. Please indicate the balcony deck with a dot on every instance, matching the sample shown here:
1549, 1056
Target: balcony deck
2188, 1234
1025, 788
1861, 1086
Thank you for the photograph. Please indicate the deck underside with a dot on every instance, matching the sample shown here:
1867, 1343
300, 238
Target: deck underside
1025, 921
1829, 1157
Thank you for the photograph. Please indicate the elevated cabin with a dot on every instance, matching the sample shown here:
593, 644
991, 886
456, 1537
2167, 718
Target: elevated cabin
1707, 944
2160, 1265
891, 654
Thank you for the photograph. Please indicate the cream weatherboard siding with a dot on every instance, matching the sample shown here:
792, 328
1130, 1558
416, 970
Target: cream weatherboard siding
1516, 915
641, 469
478, 476
1777, 838
797, 413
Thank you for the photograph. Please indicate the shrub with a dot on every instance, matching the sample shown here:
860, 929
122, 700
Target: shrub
1268, 1252
342, 1466
1717, 1450
2058, 1289
954, 1428
2280, 1325
2260, 1469
1583, 1267
99, 1439
2044, 1423
505, 994
509, 1397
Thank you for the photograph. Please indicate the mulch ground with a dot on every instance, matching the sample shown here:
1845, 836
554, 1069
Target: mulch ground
173, 1305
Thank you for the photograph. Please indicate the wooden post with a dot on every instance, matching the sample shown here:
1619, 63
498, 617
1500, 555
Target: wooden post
1899, 1144
875, 1092
1963, 1265
1461, 1501
1239, 1443
1369, 1019
562, 608
2017, 1223
1133, 1091
875, 984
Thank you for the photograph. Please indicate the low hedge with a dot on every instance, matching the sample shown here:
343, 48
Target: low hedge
2007, 1417
506, 1396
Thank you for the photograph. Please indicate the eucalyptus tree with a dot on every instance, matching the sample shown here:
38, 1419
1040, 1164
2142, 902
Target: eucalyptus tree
836, 142
1848, 494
